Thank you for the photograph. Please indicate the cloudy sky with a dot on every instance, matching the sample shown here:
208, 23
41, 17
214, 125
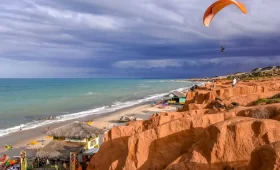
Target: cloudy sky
134, 38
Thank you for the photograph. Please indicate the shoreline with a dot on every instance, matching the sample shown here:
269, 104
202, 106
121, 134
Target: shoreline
19, 140
102, 110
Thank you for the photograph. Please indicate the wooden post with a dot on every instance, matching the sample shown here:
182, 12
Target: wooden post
38, 162
87, 144
23, 160
73, 160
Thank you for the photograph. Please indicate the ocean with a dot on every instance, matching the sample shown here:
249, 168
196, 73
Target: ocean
26, 103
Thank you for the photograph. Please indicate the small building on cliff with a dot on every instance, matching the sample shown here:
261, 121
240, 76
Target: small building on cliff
175, 98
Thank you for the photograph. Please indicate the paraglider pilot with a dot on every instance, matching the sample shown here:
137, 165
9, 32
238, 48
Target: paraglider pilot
222, 49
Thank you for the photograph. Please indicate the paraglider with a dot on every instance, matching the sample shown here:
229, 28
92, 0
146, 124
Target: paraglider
217, 7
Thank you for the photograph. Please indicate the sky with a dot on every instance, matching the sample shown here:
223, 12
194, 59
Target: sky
134, 38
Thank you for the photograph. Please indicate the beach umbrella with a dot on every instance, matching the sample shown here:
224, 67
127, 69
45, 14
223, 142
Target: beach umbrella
8, 147
90, 122
33, 142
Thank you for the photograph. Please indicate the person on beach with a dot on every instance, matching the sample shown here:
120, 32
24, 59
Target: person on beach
233, 82
64, 165
46, 129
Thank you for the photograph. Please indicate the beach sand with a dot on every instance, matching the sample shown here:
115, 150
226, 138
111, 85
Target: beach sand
21, 139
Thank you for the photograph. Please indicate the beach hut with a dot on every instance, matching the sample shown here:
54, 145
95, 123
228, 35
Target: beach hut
59, 150
175, 97
76, 137
78, 132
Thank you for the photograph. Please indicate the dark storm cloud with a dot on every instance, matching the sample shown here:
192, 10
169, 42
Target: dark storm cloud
124, 38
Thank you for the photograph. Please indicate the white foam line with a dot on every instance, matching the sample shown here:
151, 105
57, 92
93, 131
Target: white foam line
100, 110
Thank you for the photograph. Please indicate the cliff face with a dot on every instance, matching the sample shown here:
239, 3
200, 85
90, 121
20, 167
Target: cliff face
228, 143
266, 157
245, 95
156, 148
202, 136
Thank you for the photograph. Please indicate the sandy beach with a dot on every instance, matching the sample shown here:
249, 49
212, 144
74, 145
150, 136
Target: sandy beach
21, 139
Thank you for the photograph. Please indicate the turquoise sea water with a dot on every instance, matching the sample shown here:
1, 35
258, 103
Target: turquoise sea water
23, 102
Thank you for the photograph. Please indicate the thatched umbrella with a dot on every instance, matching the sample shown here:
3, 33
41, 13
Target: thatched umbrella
76, 130
59, 150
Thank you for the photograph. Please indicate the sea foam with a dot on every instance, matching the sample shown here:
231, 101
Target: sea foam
100, 110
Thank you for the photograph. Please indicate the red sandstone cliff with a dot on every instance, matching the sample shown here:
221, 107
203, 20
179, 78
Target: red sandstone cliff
202, 136
228, 143
265, 157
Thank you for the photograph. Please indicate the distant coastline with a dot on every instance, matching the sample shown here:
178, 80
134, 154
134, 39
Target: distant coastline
140, 92
192, 80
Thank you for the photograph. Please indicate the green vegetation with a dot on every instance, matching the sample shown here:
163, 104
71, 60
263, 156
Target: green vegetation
250, 78
273, 99
256, 75
277, 96
260, 101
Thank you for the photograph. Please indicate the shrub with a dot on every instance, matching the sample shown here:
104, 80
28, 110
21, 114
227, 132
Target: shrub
276, 96
261, 114
260, 101
270, 101
273, 99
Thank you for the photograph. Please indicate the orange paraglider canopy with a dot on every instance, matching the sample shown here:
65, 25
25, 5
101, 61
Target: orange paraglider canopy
217, 7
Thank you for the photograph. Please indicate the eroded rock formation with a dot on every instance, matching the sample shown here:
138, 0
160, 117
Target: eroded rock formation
229, 143
266, 157
219, 129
